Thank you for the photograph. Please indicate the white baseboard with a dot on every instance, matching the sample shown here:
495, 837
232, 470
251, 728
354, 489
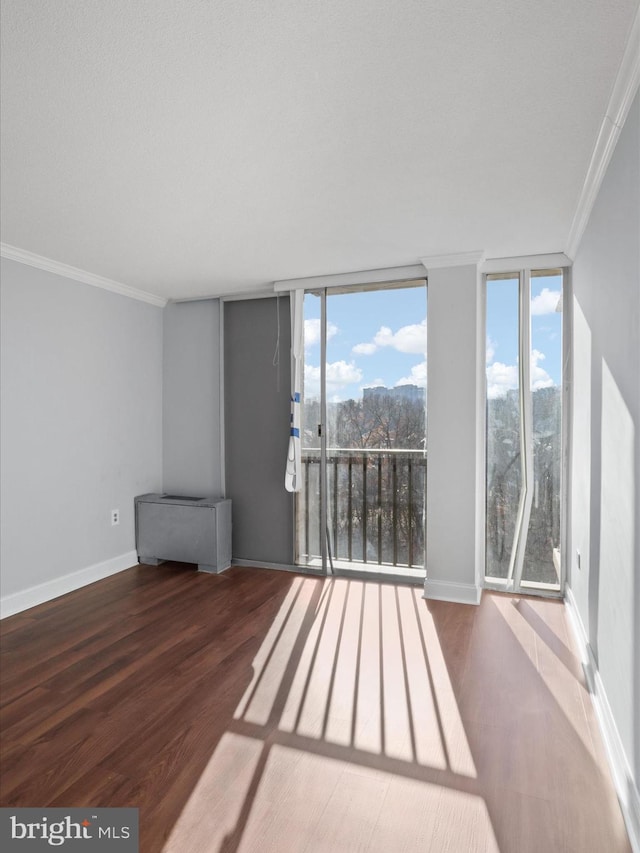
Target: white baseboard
458, 593
626, 786
19, 601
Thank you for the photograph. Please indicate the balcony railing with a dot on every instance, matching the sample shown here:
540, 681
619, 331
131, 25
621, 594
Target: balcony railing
375, 507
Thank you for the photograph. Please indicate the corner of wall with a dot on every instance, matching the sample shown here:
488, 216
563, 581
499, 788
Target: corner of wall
39, 594
453, 591
625, 784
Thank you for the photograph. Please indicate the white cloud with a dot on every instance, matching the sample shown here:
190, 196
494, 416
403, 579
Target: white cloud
500, 379
343, 373
418, 376
364, 349
539, 376
545, 302
491, 350
408, 339
339, 375
505, 377
312, 332
311, 382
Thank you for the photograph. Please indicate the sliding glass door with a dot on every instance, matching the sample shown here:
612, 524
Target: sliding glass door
524, 431
362, 504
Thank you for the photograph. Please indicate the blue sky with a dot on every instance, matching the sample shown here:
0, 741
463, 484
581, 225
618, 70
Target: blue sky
502, 334
379, 338
376, 337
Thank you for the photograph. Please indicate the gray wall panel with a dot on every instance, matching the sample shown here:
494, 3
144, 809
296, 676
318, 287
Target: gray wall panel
257, 406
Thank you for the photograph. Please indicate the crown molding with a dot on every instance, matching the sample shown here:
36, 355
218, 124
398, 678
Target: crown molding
226, 296
23, 257
622, 95
239, 295
461, 259
554, 260
352, 279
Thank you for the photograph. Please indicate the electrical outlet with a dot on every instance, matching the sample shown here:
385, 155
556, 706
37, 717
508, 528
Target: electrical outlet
578, 559
115, 517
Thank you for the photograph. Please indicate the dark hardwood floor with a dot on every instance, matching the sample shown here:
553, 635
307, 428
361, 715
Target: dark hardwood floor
260, 710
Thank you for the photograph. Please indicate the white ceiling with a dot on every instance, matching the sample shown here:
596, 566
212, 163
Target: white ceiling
206, 146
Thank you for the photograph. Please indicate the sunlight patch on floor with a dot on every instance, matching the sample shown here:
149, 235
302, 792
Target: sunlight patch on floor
367, 673
219, 795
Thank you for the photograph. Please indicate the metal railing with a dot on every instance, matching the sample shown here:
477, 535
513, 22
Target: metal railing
375, 506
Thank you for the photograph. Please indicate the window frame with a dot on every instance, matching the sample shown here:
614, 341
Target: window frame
524, 272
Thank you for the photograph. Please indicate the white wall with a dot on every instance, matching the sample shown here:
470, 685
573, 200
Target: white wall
81, 426
455, 438
605, 485
191, 402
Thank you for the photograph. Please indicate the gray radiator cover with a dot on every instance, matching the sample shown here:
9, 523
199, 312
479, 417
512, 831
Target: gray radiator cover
183, 528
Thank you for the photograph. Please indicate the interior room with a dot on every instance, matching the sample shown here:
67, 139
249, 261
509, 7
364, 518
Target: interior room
351, 292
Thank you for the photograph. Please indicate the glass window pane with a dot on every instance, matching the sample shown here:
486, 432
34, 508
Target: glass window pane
542, 554
375, 388
504, 476
307, 500
376, 392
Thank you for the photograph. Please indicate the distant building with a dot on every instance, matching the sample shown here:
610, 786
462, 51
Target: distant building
412, 393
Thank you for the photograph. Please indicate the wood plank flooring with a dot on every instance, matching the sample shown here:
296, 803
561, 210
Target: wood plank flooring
264, 711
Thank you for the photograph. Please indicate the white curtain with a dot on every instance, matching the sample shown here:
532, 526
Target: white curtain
293, 474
